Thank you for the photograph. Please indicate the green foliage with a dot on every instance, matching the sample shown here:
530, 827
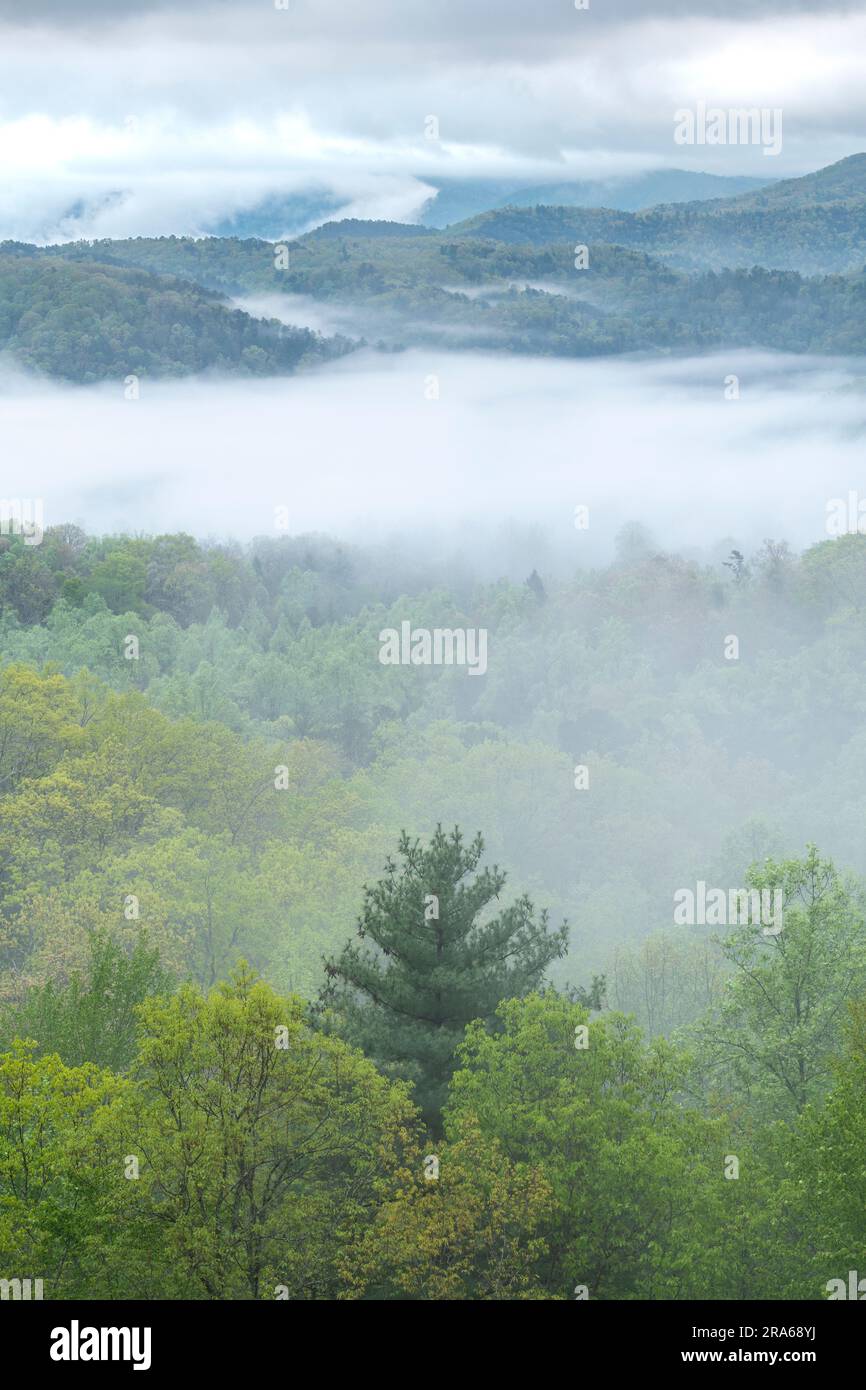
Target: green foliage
54, 1174
824, 1191
94, 322
242, 1161
92, 1018
261, 1143
772, 1036
468, 1228
634, 1177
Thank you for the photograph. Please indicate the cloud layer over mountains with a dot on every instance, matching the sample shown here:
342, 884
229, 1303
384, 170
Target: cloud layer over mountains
168, 118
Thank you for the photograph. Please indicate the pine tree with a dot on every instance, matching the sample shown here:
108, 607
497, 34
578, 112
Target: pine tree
536, 584
433, 965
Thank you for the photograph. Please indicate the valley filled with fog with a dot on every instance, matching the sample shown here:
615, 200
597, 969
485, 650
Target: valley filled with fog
451, 452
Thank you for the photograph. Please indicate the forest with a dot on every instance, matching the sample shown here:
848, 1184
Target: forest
98, 323
538, 281
323, 978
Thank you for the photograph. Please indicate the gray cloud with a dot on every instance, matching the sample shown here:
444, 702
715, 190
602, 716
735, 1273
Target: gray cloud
453, 20
167, 117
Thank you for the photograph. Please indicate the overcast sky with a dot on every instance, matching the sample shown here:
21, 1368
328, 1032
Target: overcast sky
155, 117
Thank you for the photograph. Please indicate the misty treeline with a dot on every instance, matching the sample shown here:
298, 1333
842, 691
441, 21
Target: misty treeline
269, 1032
269, 654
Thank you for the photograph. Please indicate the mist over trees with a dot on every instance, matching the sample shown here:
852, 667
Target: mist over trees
251, 940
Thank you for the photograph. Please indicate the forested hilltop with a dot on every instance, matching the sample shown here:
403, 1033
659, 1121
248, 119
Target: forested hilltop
554, 281
94, 322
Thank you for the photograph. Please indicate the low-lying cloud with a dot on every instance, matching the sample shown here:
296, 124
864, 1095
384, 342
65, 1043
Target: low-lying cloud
493, 468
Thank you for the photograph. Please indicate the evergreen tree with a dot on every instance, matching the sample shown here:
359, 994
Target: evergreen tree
536, 584
438, 961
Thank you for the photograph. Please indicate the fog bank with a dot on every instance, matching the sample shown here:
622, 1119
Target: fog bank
367, 450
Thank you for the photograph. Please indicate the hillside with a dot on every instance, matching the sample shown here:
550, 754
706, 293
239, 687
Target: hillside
815, 225
90, 322
843, 182
400, 291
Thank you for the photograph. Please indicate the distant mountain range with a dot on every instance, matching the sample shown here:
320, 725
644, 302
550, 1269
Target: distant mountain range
777, 267
458, 199
812, 224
